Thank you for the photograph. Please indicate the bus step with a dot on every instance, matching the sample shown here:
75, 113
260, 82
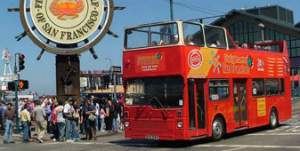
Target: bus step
240, 128
198, 137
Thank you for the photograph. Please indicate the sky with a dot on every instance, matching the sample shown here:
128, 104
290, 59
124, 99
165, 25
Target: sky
41, 74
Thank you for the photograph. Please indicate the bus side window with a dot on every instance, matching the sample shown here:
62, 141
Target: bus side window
258, 87
215, 37
281, 86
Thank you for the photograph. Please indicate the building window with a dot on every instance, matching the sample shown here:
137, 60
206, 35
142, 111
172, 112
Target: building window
218, 89
244, 32
99, 83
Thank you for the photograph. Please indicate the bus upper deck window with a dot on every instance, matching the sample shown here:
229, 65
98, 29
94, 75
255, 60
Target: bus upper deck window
193, 34
215, 37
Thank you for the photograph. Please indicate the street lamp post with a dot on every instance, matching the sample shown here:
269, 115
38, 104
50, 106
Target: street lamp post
111, 73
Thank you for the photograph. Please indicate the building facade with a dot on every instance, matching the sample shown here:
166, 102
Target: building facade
100, 83
270, 23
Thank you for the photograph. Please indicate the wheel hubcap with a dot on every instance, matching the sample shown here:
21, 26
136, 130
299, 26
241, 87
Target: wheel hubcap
217, 128
273, 119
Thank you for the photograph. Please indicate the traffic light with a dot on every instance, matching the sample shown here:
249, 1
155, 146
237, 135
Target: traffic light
21, 62
11, 86
23, 84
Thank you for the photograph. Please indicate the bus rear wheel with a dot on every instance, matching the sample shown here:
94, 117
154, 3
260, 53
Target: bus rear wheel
217, 129
273, 119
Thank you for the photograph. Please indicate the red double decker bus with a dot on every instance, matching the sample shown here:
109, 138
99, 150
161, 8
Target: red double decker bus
186, 81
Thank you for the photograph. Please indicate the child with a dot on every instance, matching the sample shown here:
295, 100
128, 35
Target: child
102, 117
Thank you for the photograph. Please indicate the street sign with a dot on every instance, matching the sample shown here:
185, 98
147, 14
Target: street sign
15, 77
83, 82
4, 88
6, 79
115, 69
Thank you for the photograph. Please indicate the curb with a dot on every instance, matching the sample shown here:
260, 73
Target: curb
49, 140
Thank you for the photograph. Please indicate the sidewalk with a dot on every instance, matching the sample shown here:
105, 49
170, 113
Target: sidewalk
47, 137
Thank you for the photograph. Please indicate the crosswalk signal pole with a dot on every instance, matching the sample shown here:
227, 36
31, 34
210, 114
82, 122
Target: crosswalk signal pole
16, 96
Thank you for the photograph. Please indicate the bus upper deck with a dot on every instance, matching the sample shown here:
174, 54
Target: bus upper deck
189, 46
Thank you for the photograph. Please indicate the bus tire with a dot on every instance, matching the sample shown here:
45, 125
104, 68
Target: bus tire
218, 129
273, 119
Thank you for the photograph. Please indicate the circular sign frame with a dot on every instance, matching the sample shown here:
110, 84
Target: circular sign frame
67, 51
195, 59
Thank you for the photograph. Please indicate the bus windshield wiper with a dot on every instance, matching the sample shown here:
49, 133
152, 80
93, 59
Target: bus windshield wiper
160, 104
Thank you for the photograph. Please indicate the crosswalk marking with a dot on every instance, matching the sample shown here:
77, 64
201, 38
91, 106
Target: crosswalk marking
250, 146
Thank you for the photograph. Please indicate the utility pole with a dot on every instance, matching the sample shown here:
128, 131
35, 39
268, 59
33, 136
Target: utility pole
171, 10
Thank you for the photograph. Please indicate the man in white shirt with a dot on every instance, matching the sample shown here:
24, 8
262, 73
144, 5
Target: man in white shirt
68, 112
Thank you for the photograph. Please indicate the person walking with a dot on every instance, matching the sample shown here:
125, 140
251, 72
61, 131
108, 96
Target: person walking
81, 123
30, 109
2, 110
40, 121
60, 120
90, 117
48, 115
68, 114
25, 121
115, 115
109, 114
96, 104
54, 121
9, 117
75, 121
102, 117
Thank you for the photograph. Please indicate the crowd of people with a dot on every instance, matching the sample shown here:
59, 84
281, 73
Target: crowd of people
65, 120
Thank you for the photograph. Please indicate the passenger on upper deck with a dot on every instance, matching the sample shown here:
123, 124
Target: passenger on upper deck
215, 43
175, 39
154, 43
189, 40
237, 44
245, 46
162, 42
255, 47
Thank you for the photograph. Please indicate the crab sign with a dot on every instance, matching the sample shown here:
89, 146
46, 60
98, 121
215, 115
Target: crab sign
66, 8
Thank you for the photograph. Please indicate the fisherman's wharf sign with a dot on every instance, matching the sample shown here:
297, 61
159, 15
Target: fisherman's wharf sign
66, 21
83, 22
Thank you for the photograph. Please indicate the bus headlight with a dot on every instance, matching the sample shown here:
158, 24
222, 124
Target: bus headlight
126, 124
179, 124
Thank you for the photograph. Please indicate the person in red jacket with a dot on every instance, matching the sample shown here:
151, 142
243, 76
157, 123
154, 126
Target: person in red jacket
55, 130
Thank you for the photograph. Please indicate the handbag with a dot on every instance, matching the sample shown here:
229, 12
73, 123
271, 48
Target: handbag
92, 117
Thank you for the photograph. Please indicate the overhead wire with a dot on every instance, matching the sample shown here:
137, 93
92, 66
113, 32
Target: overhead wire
195, 8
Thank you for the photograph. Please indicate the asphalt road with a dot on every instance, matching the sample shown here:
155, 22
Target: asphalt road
284, 138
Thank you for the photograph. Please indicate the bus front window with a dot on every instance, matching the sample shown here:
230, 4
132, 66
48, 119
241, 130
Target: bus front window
157, 92
151, 36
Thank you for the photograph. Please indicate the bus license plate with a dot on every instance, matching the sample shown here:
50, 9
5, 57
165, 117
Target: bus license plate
152, 137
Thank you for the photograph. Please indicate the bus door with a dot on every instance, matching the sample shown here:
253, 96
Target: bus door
196, 107
200, 107
240, 102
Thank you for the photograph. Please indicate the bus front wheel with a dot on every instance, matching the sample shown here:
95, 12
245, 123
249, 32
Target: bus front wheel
217, 129
273, 119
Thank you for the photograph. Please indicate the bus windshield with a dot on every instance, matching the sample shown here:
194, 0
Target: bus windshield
157, 35
164, 92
